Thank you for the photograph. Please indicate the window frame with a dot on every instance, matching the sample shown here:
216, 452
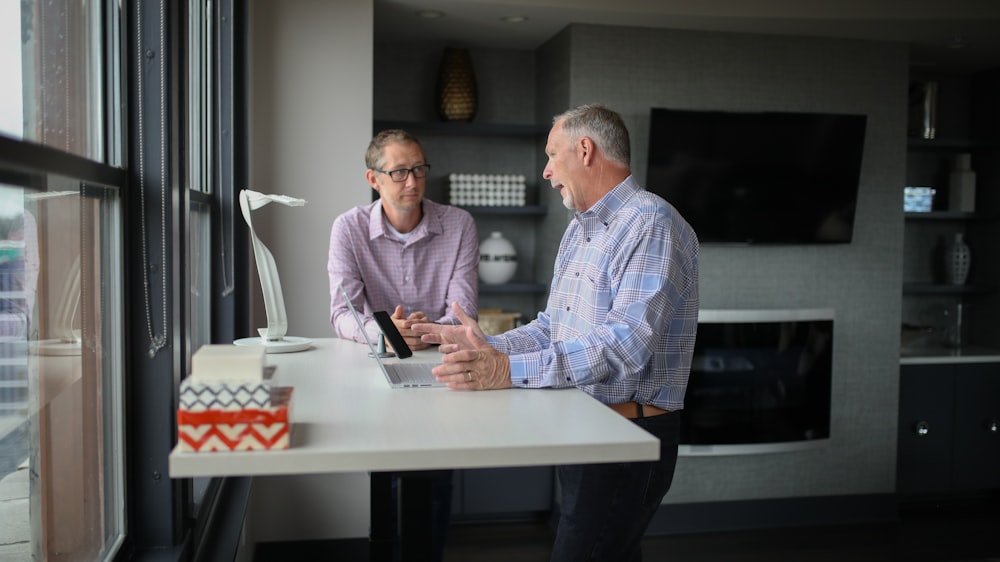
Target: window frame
161, 513
160, 517
39, 168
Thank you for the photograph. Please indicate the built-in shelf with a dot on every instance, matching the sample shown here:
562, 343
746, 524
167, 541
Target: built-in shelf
947, 144
512, 288
941, 289
525, 134
464, 128
533, 210
948, 216
932, 355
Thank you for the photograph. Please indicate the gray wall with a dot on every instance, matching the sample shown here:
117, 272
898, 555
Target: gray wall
633, 69
311, 108
310, 118
310, 122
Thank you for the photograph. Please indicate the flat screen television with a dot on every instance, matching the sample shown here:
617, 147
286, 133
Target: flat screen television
758, 177
759, 382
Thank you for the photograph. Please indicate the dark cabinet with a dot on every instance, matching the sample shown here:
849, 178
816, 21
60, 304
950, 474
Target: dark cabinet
949, 439
977, 428
521, 493
926, 425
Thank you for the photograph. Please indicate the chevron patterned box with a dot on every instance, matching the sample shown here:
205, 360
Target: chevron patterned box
214, 421
199, 396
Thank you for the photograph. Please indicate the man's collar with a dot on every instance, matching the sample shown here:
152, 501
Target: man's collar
429, 219
607, 206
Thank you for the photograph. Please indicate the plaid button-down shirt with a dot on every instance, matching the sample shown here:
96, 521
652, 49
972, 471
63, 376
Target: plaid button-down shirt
622, 313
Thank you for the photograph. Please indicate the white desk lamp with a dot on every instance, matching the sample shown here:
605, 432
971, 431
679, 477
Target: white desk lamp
272, 337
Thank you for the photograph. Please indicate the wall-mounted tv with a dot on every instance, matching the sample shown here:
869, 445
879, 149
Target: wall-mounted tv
758, 177
759, 382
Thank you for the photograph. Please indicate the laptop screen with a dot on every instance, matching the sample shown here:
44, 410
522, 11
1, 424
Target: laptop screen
361, 325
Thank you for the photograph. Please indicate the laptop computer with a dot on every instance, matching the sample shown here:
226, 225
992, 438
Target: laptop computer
397, 374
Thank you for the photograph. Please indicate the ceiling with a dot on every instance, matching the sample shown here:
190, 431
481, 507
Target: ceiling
951, 35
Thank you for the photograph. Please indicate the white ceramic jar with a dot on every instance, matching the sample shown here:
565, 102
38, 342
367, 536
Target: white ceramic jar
497, 259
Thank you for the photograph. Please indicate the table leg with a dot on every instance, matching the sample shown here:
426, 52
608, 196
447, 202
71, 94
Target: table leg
416, 516
380, 537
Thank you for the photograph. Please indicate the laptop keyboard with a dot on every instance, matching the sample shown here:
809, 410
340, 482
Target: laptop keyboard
412, 372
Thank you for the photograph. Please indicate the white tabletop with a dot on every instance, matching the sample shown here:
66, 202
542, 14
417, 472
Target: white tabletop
347, 419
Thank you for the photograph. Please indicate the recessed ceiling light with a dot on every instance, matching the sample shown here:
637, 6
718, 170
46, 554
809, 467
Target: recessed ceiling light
514, 19
430, 14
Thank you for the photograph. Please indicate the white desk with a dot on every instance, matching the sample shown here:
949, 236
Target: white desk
347, 419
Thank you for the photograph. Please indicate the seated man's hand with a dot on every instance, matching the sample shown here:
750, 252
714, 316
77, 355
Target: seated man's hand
404, 323
467, 335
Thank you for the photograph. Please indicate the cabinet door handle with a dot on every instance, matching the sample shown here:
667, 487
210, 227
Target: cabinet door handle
993, 425
921, 428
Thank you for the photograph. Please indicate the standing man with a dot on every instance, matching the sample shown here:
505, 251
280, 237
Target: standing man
619, 324
405, 254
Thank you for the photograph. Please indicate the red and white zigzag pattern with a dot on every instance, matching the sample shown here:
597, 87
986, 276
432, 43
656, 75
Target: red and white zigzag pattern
233, 437
243, 430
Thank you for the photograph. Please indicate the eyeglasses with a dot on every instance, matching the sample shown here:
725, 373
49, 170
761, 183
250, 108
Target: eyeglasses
403, 173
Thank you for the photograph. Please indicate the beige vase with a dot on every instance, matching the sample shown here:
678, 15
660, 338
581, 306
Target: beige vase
456, 87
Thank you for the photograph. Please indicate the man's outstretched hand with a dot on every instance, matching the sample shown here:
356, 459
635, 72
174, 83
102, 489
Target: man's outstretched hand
467, 335
469, 362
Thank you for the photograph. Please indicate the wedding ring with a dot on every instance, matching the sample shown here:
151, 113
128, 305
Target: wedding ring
468, 376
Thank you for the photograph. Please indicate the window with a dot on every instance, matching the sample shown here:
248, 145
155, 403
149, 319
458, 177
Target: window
70, 299
200, 170
82, 185
53, 90
61, 405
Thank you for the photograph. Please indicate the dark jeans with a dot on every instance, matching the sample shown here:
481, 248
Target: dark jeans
606, 508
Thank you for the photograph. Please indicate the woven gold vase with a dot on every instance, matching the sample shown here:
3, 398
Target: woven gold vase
456, 87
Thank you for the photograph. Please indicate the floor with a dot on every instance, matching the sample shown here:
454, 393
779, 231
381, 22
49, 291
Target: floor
932, 533
15, 529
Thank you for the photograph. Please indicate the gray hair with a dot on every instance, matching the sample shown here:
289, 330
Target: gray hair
376, 148
604, 126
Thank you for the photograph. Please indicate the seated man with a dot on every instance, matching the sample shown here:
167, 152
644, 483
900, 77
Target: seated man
402, 253
407, 255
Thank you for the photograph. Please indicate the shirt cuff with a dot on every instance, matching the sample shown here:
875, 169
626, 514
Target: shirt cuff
523, 374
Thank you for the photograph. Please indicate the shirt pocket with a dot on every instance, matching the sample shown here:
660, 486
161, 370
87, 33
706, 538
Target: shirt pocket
588, 295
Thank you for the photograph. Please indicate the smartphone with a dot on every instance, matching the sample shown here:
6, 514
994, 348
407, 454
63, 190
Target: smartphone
392, 334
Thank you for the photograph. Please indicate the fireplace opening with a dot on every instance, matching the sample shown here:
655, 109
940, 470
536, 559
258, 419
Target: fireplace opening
759, 383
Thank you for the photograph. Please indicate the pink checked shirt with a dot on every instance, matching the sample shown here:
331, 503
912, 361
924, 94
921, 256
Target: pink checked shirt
438, 264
